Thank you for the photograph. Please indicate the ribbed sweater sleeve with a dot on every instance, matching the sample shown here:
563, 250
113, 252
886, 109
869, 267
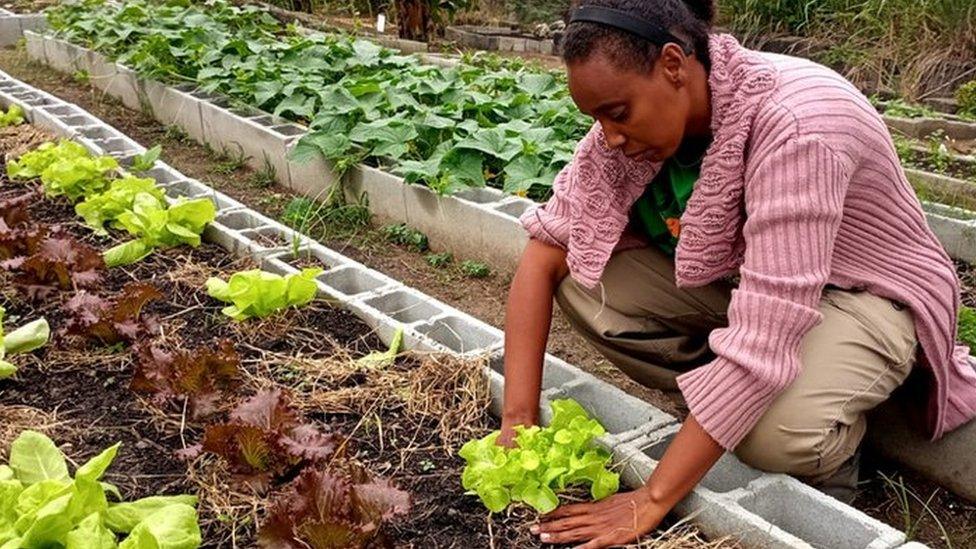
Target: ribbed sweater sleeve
794, 200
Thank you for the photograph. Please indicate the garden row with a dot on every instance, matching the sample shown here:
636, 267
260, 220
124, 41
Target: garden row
264, 441
733, 499
303, 478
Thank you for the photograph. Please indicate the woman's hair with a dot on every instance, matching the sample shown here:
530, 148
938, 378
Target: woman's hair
688, 20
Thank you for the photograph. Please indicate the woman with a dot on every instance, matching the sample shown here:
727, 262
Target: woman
708, 160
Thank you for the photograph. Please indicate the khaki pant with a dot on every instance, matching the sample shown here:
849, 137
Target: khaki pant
862, 350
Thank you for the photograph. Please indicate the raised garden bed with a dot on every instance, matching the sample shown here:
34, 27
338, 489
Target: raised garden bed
79, 393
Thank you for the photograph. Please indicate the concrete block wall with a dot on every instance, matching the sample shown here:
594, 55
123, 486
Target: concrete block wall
13, 25
764, 510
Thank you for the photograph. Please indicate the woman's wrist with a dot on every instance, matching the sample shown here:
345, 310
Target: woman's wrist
519, 417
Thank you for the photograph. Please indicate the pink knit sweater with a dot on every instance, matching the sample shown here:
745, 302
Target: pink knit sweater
801, 187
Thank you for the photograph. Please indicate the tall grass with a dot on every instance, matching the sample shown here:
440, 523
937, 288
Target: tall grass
913, 48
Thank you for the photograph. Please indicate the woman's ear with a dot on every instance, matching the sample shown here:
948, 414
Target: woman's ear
672, 62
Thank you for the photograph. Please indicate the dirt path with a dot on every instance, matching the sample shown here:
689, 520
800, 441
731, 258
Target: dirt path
485, 298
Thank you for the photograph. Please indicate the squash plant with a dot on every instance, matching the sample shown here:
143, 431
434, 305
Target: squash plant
544, 461
42, 506
503, 124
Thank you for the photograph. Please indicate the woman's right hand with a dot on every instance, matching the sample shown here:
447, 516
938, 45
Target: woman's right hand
507, 437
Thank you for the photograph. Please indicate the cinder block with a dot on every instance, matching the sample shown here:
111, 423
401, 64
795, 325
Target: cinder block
57, 54
44, 119
260, 145
312, 254
33, 22
504, 239
618, 411
726, 475
101, 71
35, 47
814, 517
384, 191
226, 238
461, 334
949, 461
353, 281
315, 177
244, 220
514, 207
173, 107
10, 31
956, 233
188, 188
405, 306
555, 372
123, 85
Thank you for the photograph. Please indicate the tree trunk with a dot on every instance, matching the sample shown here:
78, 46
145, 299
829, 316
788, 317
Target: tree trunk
413, 19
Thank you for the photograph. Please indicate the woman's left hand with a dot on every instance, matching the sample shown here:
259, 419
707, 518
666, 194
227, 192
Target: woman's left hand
617, 520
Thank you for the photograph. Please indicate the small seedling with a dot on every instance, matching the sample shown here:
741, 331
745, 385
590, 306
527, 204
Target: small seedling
475, 269
144, 162
265, 177
439, 261
405, 236
81, 77
229, 163
427, 465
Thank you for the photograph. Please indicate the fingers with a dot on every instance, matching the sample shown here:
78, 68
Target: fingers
603, 541
570, 511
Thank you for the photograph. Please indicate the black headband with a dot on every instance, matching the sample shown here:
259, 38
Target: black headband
650, 31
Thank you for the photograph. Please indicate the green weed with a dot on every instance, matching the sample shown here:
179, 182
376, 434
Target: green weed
439, 261
474, 269
403, 235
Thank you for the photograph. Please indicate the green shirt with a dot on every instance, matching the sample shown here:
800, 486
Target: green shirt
658, 211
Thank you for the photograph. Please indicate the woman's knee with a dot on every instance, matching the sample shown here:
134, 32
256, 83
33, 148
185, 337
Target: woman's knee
785, 443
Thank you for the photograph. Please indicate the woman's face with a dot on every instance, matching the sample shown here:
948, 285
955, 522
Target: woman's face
645, 115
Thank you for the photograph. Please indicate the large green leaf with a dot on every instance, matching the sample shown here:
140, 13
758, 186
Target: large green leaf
91, 534
172, 527
124, 517
493, 142
35, 458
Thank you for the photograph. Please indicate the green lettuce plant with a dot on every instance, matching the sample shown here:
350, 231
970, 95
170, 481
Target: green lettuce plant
28, 337
13, 117
544, 461
66, 169
42, 506
155, 225
257, 293
106, 207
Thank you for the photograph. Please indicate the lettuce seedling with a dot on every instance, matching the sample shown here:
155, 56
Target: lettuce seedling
13, 117
545, 461
201, 375
113, 321
155, 225
326, 510
257, 293
45, 261
13, 210
28, 337
66, 169
106, 207
265, 439
42, 506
